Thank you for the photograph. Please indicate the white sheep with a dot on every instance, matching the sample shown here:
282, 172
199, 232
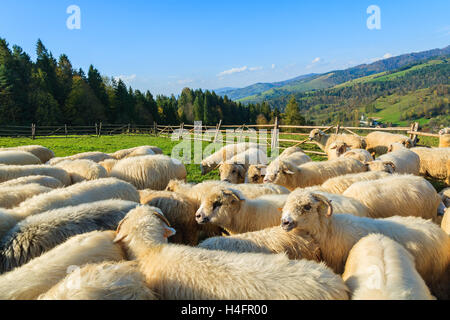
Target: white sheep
434, 162
235, 169
14, 172
44, 154
141, 150
445, 224
83, 192
93, 156
104, 281
359, 154
404, 160
397, 195
339, 184
229, 209
312, 173
444, 138
445, 196
182, 272
256, 173
149, 172
108, 164
324, 140
378, 268
295, 155
44, 181
343, 204
82, 170
40, 233
41, 274
16, 157
11, 196
225, 153
337, 234
378, 142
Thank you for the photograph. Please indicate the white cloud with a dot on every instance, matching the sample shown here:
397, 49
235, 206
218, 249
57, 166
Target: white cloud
255, 68
185, 81
232, 70
273, 66
316, 60
387, 55
126, 79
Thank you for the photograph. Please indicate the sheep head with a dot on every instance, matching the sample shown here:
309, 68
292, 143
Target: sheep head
143, 227
219, 206
339, 148
316, 135
256, 174
304, 210
232, 172
386, 166
407, 143
279, 172
174, 185
444, 131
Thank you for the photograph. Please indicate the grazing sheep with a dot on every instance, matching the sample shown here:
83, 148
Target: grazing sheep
404, 160
339, 184
235, 169
255, 174
378, 268
83, 192
337, 234
337, 149
40, 233
180, 211
108, 164
104, 281
20, 158
445, 224
122, 154
324, 140
149, 172
181, 272
444, 138
271, 240
312, 173
44, 154
397, 195
11, 196
225, 153
82, 170
434, 162
93, 156
14, 172
44, 181
378, 142
359, 154
41, 274
229, 209
445, 196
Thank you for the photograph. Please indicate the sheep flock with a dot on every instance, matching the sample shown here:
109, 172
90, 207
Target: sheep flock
366, 224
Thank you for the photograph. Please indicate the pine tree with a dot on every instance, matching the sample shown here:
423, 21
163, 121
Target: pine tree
198, 109
292, 115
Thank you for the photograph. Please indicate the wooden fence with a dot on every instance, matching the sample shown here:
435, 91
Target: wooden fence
278, 136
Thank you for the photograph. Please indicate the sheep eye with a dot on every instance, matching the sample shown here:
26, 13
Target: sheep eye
216, 205
307, 207
234, 171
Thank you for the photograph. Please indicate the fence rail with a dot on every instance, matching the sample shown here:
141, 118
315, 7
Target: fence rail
288, 135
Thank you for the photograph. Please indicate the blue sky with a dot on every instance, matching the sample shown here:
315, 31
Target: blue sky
166, 45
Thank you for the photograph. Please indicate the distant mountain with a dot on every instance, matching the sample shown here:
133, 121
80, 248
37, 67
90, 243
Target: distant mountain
269, 91
225, 89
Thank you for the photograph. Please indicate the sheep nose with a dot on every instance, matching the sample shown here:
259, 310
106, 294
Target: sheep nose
287, 224
227, 180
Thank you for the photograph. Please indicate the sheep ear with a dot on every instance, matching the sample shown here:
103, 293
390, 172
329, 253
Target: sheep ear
233, 194
333, 146
325, 201
280, 209
169, 232
118, 237
389, 163
241, 170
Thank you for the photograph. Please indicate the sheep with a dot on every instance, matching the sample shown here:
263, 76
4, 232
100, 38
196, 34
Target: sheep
14, 172
11, 196
108, 165
337, 149
445, 224
270, 240
359, 154
225, 153
44, 154
402, 159
180, 211
42, 273
401, 195
44, 181
380, 166
337, 234
434, 162
255, 174
83, 192
181, 272
312, 173
17, 157
324, 140
339, 184
7, 221
445, 196
444, 138
447, 181
94, 156
295, 155
229, 209
343, 204
82, 170
378, 268
104, 281
141, 150
40, 233
149, 172
235, 169
378, 142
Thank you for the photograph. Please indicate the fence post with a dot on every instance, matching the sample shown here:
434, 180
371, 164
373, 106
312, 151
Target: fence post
155, 128
33, 131
338, 127
96, 129
274, 142
217, 131
414, 128
65, 130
